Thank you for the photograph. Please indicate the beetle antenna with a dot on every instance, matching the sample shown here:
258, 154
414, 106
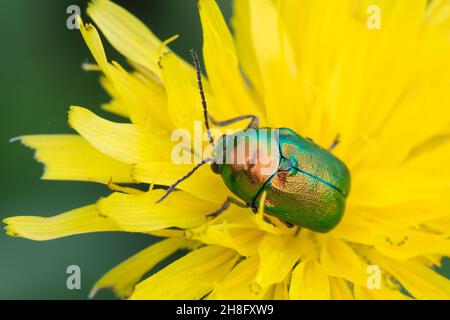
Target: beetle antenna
202, 94
187, 175
205, 115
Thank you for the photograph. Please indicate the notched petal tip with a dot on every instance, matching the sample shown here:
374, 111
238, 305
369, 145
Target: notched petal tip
11, 233
163, 47
9, 229
83, 27
162, 57
70, 112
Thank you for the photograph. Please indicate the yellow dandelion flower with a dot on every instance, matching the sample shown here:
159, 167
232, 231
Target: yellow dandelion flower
317, 67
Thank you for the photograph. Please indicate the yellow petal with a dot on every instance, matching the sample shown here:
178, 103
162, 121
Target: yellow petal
278, 254
145, 100
204, 184
127, 34
434, 86
403, 244
115, 106
83, 220
140, 213
142, 92
349, 60
435, 151
276, 66
309, 281
271, 225
183, 96
70, 157
122, 141
311, 242
420, 281
317, 47
127, 91
391, 187
339, 289
430, 260
233, 230
339, 260
418, 88
221, 62
124, 276
303, 21
239, 284
438, 18
440, 225
94, 43
243, 40
362, 293
280, 291
354, 228
190, 277
410, 214
418, 129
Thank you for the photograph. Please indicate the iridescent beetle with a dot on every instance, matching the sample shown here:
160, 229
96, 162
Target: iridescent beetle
305, 184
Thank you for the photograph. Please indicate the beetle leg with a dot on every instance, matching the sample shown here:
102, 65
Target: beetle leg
187, 175
335, 143
287, 224
226, 205
254, 207
254, 121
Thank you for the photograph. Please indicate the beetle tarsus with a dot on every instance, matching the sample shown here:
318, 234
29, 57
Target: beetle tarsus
287, 224
254, 121
335, 143
226, 205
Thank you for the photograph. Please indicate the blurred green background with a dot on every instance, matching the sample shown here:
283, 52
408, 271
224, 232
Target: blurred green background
41, 76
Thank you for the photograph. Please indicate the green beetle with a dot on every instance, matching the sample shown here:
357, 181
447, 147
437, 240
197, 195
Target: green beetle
305, 184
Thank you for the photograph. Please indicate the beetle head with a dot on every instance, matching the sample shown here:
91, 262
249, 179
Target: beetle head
254, 151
